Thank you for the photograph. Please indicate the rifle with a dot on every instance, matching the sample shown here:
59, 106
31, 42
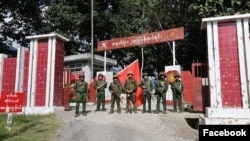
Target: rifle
143, 86
101, 85
117, 96
159, 91
114, 85
178, 90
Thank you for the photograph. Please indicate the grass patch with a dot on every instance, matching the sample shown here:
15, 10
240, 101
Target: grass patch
29, 127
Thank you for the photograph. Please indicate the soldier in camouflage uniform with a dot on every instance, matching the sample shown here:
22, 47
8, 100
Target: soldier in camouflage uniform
100, 86
161, 88
177, 89
81, 93
147, 87
130, 87
115, 88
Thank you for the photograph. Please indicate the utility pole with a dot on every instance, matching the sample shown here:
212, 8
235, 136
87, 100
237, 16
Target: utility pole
92, 41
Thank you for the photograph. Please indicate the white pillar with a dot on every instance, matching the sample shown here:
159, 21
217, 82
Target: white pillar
247, 50
2, 57
32, 73
173, 53
19, 70
105, 61
52, 66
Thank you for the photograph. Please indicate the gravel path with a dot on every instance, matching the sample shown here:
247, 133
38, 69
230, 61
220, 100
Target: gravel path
101, 126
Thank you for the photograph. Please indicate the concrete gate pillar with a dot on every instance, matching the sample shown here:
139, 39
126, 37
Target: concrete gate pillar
229, 69
2, 57
45, 77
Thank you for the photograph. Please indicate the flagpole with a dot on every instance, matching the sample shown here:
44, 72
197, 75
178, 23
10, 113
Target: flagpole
142, 56
174, 53
105, 60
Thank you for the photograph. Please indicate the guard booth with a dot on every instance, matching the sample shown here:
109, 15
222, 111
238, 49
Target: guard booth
229, 69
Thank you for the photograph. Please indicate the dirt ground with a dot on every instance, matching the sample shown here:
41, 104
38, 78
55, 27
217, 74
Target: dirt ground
102, 126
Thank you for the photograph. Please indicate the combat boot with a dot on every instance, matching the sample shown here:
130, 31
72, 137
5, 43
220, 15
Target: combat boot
164, 112
76, 114
135, 109
84, 113
157, 112
127, 111
111, 111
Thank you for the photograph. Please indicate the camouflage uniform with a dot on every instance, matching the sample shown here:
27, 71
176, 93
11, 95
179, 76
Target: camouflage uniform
177, 89
100, 92
147, 87
115, 88
81, 93
161, 89
130, 87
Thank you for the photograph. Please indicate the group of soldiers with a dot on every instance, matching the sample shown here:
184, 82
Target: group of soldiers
130, 88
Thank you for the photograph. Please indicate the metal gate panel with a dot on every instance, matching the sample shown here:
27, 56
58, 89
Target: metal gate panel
200, 86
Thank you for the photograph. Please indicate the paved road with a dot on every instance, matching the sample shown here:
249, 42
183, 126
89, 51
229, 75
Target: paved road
101, 126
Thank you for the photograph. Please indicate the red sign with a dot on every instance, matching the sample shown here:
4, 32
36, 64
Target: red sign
143, 39
11, 102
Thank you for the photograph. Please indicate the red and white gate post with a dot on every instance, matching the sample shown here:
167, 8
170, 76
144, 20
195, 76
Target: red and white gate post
45, 78
229, 69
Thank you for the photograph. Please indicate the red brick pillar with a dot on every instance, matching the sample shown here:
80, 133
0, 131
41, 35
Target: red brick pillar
229, 69
45, 80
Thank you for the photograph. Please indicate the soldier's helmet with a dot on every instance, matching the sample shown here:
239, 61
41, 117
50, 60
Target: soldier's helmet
81, 75
177, 75
100, 74
130, 73
162, 74
115, 77
144, 74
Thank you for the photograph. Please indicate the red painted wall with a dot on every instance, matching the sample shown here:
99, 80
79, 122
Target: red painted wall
25, 77
187, 80
229, 65
42, 58
9, 74
92, 91
58, 80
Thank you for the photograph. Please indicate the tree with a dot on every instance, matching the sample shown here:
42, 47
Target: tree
210, 8
140, 16
20, 18
115, 19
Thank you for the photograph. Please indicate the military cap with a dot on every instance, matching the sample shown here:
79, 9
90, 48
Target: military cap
115, 76
100, 74
130, 73
177, 75
144, 74
162, 74
81, 75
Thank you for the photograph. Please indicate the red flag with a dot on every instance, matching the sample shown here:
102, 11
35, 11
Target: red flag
135, 69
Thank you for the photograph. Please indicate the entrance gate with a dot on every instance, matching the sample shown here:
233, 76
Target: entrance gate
200, 86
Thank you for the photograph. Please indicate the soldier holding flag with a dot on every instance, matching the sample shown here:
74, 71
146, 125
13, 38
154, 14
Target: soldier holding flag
130, 87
